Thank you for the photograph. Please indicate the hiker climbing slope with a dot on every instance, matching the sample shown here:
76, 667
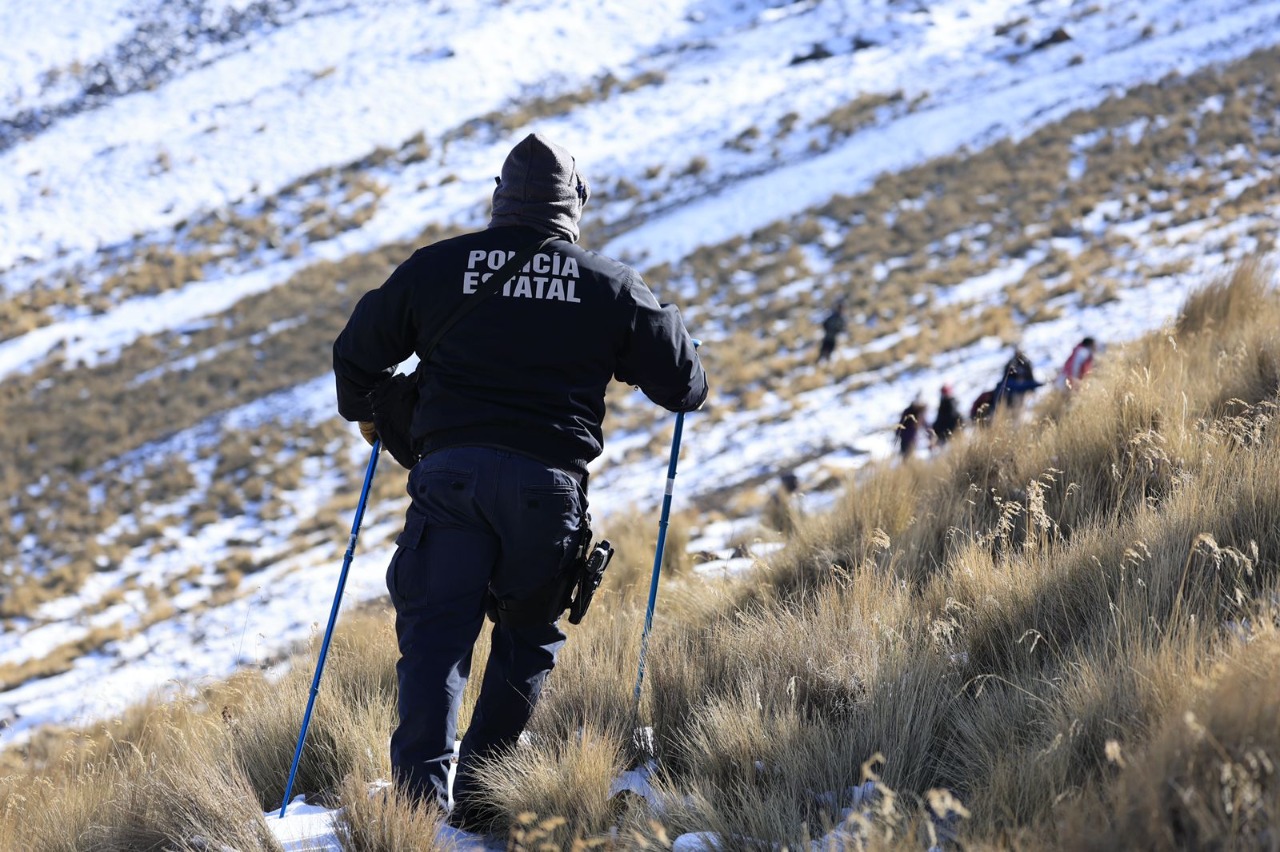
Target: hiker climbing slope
509, 409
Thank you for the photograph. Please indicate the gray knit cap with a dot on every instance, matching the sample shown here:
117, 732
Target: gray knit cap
540, 188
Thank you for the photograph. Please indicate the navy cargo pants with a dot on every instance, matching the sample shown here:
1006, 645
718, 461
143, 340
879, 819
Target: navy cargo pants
482, 520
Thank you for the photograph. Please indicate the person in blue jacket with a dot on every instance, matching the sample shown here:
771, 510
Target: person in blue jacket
1017, 379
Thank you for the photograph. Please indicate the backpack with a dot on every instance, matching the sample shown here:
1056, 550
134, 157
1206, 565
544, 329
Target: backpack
393, 402
982, 406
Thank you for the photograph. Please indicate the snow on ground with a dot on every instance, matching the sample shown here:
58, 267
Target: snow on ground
974, 98
310, 828
970, 104
280, 109
339, 83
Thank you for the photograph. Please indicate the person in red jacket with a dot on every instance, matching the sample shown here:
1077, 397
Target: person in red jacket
1078, 364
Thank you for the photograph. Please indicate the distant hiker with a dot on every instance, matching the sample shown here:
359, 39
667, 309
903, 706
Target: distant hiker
948, 420
910, 425
980, 411
781, 510
1017, 379
832, 326
1078, 364
508, 415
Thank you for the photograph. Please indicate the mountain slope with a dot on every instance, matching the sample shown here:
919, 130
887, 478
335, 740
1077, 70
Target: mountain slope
180, 245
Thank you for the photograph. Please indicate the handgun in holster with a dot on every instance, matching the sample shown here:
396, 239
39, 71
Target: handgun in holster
591, 563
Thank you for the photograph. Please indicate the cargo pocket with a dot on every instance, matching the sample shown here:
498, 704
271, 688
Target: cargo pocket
410, 538
554, 513
415, 524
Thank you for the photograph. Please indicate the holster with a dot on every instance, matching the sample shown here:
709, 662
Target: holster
572, 589
591, 565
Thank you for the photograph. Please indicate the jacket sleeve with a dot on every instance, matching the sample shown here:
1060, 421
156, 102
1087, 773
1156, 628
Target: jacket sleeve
659, 356
378, 336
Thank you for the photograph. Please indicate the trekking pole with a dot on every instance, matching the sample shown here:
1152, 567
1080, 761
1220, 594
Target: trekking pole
333, 617
657, 556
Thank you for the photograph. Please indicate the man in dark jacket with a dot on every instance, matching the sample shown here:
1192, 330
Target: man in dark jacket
831, 328
910, 424
948, 420
511, 402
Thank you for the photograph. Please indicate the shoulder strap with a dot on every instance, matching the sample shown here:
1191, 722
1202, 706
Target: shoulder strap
493, 285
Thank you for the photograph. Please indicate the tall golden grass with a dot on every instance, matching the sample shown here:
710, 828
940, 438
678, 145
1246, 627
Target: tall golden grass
1065, 627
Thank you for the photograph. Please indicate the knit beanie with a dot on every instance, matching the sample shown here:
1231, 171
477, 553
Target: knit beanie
540, 188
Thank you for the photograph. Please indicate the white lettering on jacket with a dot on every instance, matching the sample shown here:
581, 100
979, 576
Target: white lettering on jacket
545, 276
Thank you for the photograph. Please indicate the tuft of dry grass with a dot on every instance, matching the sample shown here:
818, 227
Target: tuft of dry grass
375, 818
564, 782
351, 722
169, 786
1207, 777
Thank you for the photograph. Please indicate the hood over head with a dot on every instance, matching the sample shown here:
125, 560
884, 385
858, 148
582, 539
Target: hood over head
540, 188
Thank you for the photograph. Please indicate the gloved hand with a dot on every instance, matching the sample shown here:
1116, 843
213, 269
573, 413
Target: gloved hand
368, 431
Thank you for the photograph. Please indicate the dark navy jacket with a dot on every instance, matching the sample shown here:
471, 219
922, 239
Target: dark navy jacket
527, 369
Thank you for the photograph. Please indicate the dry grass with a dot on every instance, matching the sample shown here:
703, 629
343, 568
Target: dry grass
568, 779
161, 781
1034, 624
375, 818
1045, 621
1207, 777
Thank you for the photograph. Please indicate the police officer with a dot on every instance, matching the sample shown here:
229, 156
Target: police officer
509, 413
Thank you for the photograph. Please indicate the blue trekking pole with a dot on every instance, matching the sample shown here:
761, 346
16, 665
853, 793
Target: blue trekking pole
657, 556
333, 617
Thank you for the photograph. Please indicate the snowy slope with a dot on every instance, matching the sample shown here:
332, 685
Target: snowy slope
121, 119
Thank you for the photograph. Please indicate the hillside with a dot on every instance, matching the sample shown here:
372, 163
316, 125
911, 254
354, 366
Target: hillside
199, 192
1061, 633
